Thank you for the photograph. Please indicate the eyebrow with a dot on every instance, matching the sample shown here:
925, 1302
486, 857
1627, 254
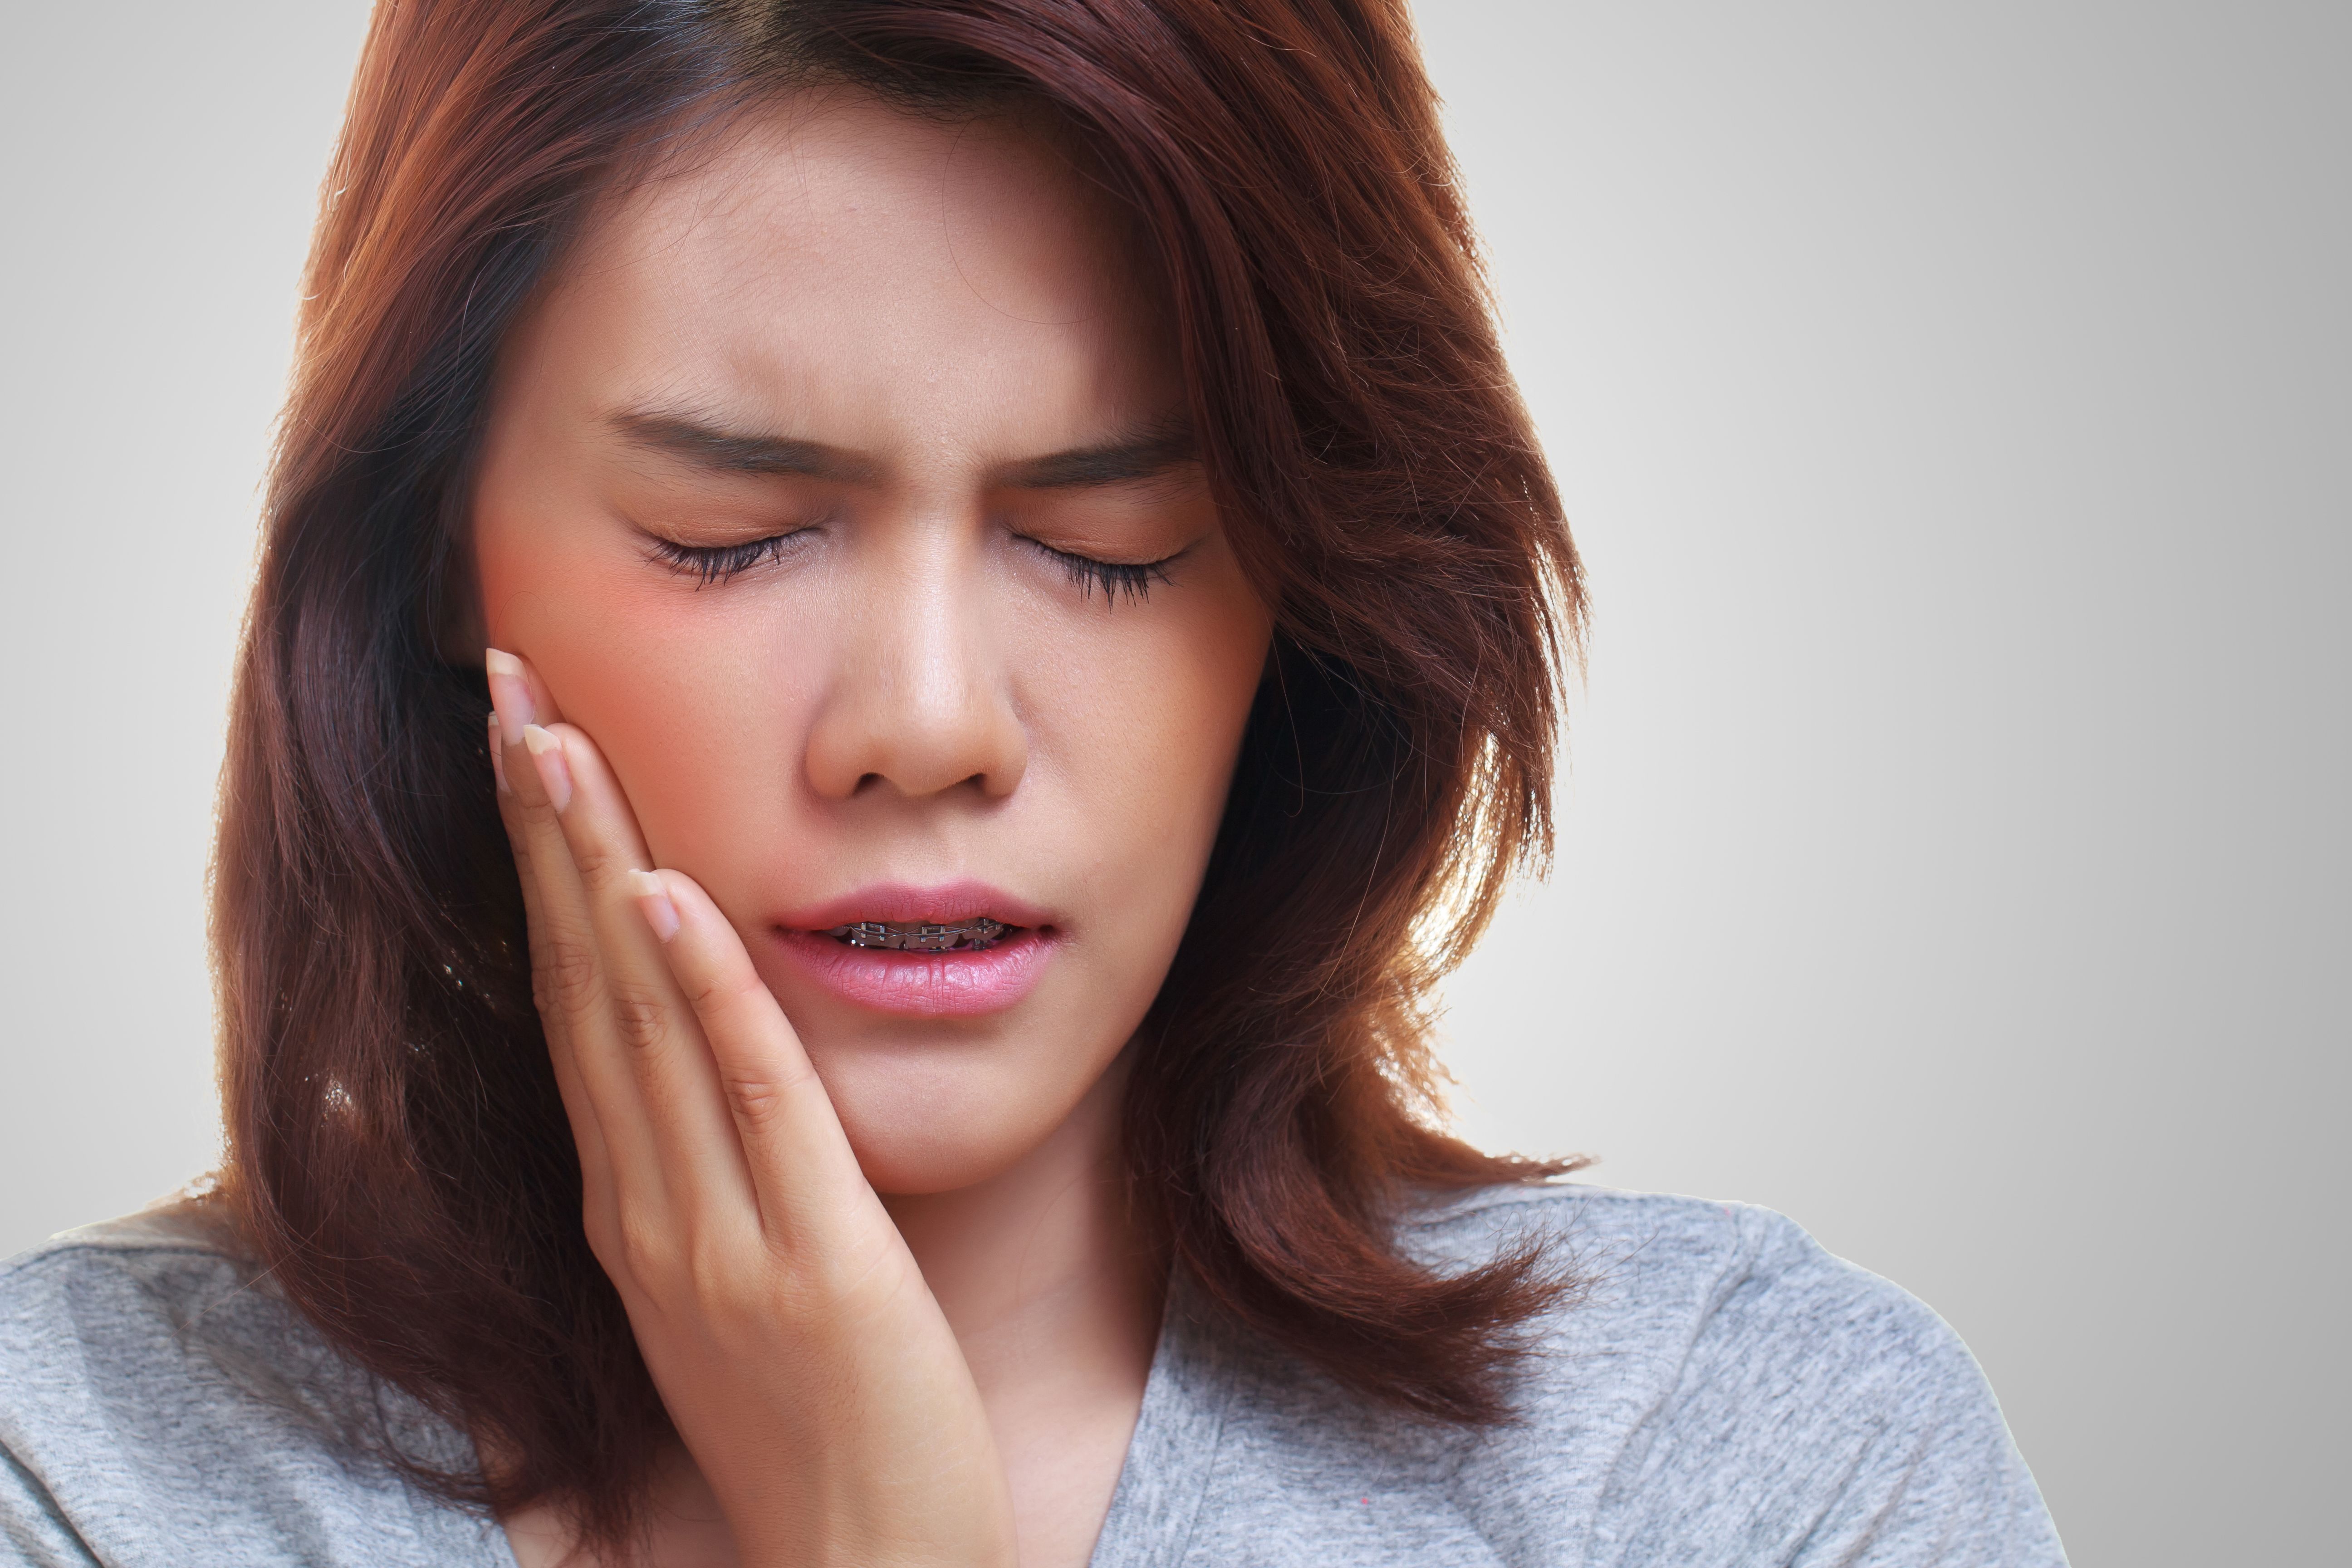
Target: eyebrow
731, 452
1146, 454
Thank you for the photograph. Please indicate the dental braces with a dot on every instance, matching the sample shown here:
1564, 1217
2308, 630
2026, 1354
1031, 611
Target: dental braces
961, 936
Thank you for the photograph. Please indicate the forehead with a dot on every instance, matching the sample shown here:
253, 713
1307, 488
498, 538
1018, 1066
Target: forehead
834, 260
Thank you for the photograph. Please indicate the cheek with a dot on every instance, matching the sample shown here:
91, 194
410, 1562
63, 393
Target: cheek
690, 697
1140, 716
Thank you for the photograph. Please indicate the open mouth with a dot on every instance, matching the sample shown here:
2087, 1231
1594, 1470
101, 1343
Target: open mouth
975, 934
962, 949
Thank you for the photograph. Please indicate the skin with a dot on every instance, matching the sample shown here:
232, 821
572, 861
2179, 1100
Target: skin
877, 1259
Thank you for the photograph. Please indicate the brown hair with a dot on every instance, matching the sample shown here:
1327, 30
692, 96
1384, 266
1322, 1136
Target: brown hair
398, 1158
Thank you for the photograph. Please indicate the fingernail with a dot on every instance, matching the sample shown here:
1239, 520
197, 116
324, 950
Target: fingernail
499, 755
509, 690
653, 902
547, 755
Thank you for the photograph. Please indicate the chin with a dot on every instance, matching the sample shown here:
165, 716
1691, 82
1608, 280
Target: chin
940, 1119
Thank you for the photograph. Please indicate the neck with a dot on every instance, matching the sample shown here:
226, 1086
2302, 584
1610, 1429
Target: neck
1056, 1307
1040, 1273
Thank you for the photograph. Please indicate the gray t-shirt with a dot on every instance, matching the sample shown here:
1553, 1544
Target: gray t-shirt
1725, 1393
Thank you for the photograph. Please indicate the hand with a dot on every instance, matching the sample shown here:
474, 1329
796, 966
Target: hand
802, 1357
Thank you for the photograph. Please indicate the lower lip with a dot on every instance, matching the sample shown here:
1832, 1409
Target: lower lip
922, 985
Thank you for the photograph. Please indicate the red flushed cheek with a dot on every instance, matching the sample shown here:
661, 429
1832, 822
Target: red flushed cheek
691, 698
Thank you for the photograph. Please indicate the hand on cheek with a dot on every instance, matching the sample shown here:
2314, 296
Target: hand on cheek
800, 1355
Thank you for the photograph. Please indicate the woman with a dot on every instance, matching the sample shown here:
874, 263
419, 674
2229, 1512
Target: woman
1020, 619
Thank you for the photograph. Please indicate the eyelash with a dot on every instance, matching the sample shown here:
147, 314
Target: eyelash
712, 564
1115, 578
715, 564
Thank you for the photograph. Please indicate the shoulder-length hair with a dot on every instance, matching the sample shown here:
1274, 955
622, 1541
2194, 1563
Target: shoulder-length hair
397, 1155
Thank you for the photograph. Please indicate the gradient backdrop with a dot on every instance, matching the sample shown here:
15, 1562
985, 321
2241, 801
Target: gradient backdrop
1953, 405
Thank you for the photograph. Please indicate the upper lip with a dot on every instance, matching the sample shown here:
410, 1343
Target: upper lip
906, 903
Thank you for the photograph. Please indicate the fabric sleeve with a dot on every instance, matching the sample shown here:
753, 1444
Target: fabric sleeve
32, 1529
1823, 1418
157, 1407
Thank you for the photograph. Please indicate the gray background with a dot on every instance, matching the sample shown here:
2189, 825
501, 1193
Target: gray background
1952, 402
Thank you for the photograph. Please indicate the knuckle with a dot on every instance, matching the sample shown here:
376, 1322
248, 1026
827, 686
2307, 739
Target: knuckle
859, 1280
565, 973
719, 1276
713, 991
643, 1245
532, 808
599, 1224
595, 862
756, 1098
641, 1016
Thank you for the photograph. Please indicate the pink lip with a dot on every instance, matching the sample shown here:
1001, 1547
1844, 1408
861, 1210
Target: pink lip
923, 985
904, 901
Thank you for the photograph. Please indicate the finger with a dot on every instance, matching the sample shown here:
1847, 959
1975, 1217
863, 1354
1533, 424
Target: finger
567, 977
569, 981
650, 1030
595, 1163
801, 1166
518, 693
587, 1134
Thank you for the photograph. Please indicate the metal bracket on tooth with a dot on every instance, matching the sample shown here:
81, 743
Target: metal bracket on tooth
977, 932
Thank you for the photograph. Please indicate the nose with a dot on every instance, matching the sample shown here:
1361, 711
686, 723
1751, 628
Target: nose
919, 703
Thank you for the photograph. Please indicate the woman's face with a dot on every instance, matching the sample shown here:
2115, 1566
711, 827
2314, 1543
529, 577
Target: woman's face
841, 491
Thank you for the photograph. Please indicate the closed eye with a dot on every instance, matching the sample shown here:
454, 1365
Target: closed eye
1117, 579
712, 564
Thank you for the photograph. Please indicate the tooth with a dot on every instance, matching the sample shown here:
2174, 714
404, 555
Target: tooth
921, 936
